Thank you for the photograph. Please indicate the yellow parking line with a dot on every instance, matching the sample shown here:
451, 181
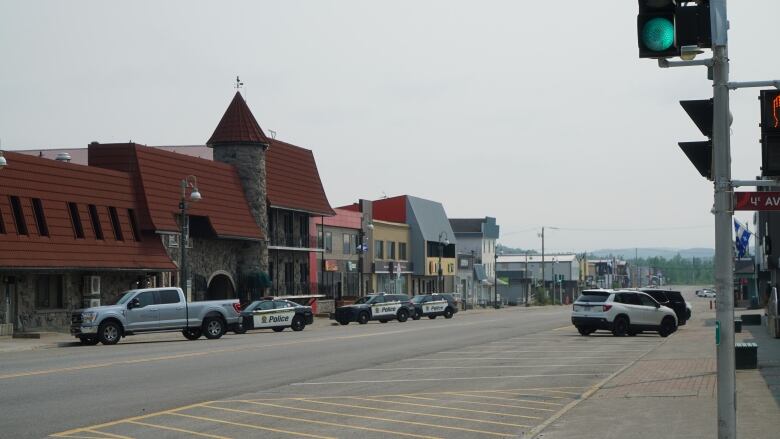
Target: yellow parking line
507, 399
414, 413
445, 407
311, 421
253, 426
562, 328
112, 435
374, 418
80, 437
180, 430
481, 403
122, 421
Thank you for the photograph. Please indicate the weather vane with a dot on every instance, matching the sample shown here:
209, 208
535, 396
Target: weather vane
238, 83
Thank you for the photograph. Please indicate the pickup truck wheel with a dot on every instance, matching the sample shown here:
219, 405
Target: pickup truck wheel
89, 341
417, 315
192, 333
278, 328
362, 318
109, 333
297, 324
448, 313
213, 327
403, 315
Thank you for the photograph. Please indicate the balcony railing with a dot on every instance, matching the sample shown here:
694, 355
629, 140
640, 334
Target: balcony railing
294, 241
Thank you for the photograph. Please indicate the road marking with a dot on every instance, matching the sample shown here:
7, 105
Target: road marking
444, 379
562, 328
180, 430
122, 421
253, 426
111, 435
223, 351
445, 407
355, 427
490, 367
374, 418
538, 352
82, 437
479, 403
415, 413
507, 399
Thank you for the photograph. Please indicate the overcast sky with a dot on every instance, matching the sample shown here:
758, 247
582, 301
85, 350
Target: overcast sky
537, 113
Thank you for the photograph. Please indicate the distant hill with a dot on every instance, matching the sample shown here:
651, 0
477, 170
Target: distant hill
667, 253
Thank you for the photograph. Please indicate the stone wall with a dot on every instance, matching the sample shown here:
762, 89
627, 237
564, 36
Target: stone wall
57, 318
208, 256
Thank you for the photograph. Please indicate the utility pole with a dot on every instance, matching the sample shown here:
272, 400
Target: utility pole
544, 285
724, 246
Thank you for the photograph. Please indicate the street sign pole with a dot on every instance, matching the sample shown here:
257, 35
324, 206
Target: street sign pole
724, 246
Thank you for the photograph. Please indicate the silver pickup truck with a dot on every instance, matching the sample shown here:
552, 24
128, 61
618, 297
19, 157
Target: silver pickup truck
154, 310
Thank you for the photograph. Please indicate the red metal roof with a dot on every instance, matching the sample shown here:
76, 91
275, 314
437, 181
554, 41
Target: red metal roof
56, 184
293, 179
238, 125
158, 175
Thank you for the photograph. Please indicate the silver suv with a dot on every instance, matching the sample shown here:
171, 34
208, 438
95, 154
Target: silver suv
622, 312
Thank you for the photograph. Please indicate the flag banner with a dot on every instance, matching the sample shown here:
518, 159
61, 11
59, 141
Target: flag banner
741, 239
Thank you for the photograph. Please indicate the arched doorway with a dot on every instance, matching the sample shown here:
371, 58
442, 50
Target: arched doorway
220, 287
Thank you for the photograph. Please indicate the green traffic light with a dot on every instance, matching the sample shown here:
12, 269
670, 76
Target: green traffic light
658, 34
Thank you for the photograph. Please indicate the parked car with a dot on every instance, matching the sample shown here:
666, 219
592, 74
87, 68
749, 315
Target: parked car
274, 314
622, 312
154, 310
708, 293
434, 305
382, 307
673, 300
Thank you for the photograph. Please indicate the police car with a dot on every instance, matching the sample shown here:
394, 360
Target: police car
381, 307
434, 305
274, 314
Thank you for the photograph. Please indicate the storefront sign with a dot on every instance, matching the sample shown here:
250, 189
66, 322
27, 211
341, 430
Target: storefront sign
331, 265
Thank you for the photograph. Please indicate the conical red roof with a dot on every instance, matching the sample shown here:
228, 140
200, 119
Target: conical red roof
238, 125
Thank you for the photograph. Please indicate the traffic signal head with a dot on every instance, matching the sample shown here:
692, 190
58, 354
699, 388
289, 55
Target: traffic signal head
700, 153
770, 132
664, 27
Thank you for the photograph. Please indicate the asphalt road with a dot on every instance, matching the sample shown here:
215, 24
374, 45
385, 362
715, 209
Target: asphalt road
481, 374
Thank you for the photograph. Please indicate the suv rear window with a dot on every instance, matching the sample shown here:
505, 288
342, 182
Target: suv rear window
593, 296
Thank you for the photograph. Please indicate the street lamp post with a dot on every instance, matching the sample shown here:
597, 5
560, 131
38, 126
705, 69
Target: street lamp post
446, 241
190, 182
495, 278
555, 281
362, 249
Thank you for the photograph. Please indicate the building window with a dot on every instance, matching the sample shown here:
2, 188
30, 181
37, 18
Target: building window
75, 219
349, 244
328, 242
271, 271
390, 249
133, 225
93, 216
40, 218
379, 249
48, 292
304, 273
303, 230
115, 226
402, 251
16, 208
2, 224
319, 239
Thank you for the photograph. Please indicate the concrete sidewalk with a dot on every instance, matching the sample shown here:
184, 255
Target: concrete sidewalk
671, 392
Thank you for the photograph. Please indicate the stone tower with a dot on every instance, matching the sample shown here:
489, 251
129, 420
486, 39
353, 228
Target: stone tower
239, 141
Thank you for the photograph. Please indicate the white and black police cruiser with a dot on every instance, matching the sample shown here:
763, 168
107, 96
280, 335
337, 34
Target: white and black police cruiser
434, 305
275, 314
382, 307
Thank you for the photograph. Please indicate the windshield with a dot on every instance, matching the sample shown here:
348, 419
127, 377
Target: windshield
417, 299
366, 299
124, 298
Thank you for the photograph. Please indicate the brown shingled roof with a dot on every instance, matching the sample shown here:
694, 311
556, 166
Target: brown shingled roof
238, 125
293, 179
159, 175
56, 184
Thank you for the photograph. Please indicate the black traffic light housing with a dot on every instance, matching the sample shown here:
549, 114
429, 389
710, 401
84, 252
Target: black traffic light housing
770, 132
664, 27
700, 153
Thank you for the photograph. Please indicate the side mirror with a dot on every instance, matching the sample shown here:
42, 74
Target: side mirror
657, 305
135, 303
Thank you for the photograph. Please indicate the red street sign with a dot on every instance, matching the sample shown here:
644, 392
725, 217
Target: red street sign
756, 200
